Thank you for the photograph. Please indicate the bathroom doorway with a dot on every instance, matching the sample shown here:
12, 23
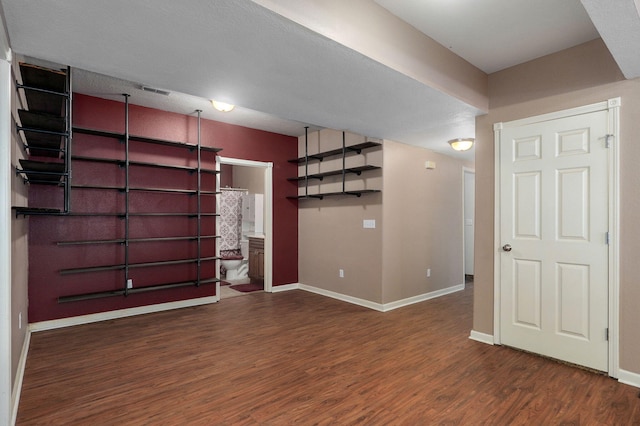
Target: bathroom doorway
253, 180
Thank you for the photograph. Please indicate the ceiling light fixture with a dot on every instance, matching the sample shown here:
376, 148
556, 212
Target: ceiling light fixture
461, 144
222, 106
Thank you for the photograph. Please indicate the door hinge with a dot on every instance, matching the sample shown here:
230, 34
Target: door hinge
607, 144
606, 334
606, 238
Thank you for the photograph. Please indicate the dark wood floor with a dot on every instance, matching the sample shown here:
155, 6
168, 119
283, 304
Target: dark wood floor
299, 358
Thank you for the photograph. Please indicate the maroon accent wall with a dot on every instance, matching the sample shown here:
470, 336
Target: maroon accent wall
47, 258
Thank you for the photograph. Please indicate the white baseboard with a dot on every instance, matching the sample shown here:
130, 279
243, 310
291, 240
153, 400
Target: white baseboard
121, 313
421, 297
284, 287
481, 337
342, 297
17, 383
379, 306
629, 378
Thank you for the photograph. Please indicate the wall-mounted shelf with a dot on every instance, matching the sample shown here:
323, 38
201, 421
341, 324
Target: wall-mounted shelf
42, 172
122, 163
351, 149
135, 265
333, 194
352, 170
45, 126
116, 135
136, 240
344, 171
139, 213
103, 294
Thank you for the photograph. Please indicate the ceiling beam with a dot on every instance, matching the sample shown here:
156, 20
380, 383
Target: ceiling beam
368, 28
618, 23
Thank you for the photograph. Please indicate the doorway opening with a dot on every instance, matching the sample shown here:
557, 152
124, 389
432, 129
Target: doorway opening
247, 185
468, 202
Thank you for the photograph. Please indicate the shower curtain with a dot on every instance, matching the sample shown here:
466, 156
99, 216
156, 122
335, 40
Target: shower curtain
230, 219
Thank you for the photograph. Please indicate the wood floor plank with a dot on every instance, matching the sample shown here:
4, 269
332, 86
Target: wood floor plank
300, 358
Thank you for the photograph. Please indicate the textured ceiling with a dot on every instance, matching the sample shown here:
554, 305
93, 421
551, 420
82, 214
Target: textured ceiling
497, 34
238, 51
281, 74
619, 25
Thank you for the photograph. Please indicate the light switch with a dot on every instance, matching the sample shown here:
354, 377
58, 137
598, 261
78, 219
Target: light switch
369, 223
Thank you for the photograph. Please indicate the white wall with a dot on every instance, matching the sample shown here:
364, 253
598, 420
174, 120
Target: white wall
5, 229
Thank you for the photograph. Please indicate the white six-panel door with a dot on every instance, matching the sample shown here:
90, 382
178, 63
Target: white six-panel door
554, 279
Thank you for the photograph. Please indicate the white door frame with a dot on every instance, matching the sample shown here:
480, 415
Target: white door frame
465, 170
613, 106
5, 240
268, 216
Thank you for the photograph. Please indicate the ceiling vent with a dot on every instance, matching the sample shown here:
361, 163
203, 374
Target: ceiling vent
155, 90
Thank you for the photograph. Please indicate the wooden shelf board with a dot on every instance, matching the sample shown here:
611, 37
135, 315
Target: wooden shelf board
134, 265
36, 211
350, 170
39, 121
349, 149
121, 136
42, 172
43, 144
95, 132
123, 292
320, 196
135, 240
43, 78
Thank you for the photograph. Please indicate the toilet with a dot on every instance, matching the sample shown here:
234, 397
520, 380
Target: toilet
237, 266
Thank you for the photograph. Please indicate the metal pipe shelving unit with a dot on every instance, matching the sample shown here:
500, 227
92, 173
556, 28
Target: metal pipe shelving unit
129, 189
46, 129
344, 152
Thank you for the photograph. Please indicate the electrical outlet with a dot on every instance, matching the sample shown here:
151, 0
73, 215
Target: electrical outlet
341, 273
428, 272
129, 283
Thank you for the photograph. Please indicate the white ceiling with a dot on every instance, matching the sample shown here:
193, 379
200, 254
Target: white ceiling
497, 34
282, 75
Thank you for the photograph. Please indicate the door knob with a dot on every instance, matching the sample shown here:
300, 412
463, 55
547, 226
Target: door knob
506, 247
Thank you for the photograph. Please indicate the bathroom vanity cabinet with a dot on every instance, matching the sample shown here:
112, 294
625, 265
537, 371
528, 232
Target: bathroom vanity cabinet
256, 258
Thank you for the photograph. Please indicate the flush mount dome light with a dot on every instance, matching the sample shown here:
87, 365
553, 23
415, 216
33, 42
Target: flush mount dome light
222, 106
461, 144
